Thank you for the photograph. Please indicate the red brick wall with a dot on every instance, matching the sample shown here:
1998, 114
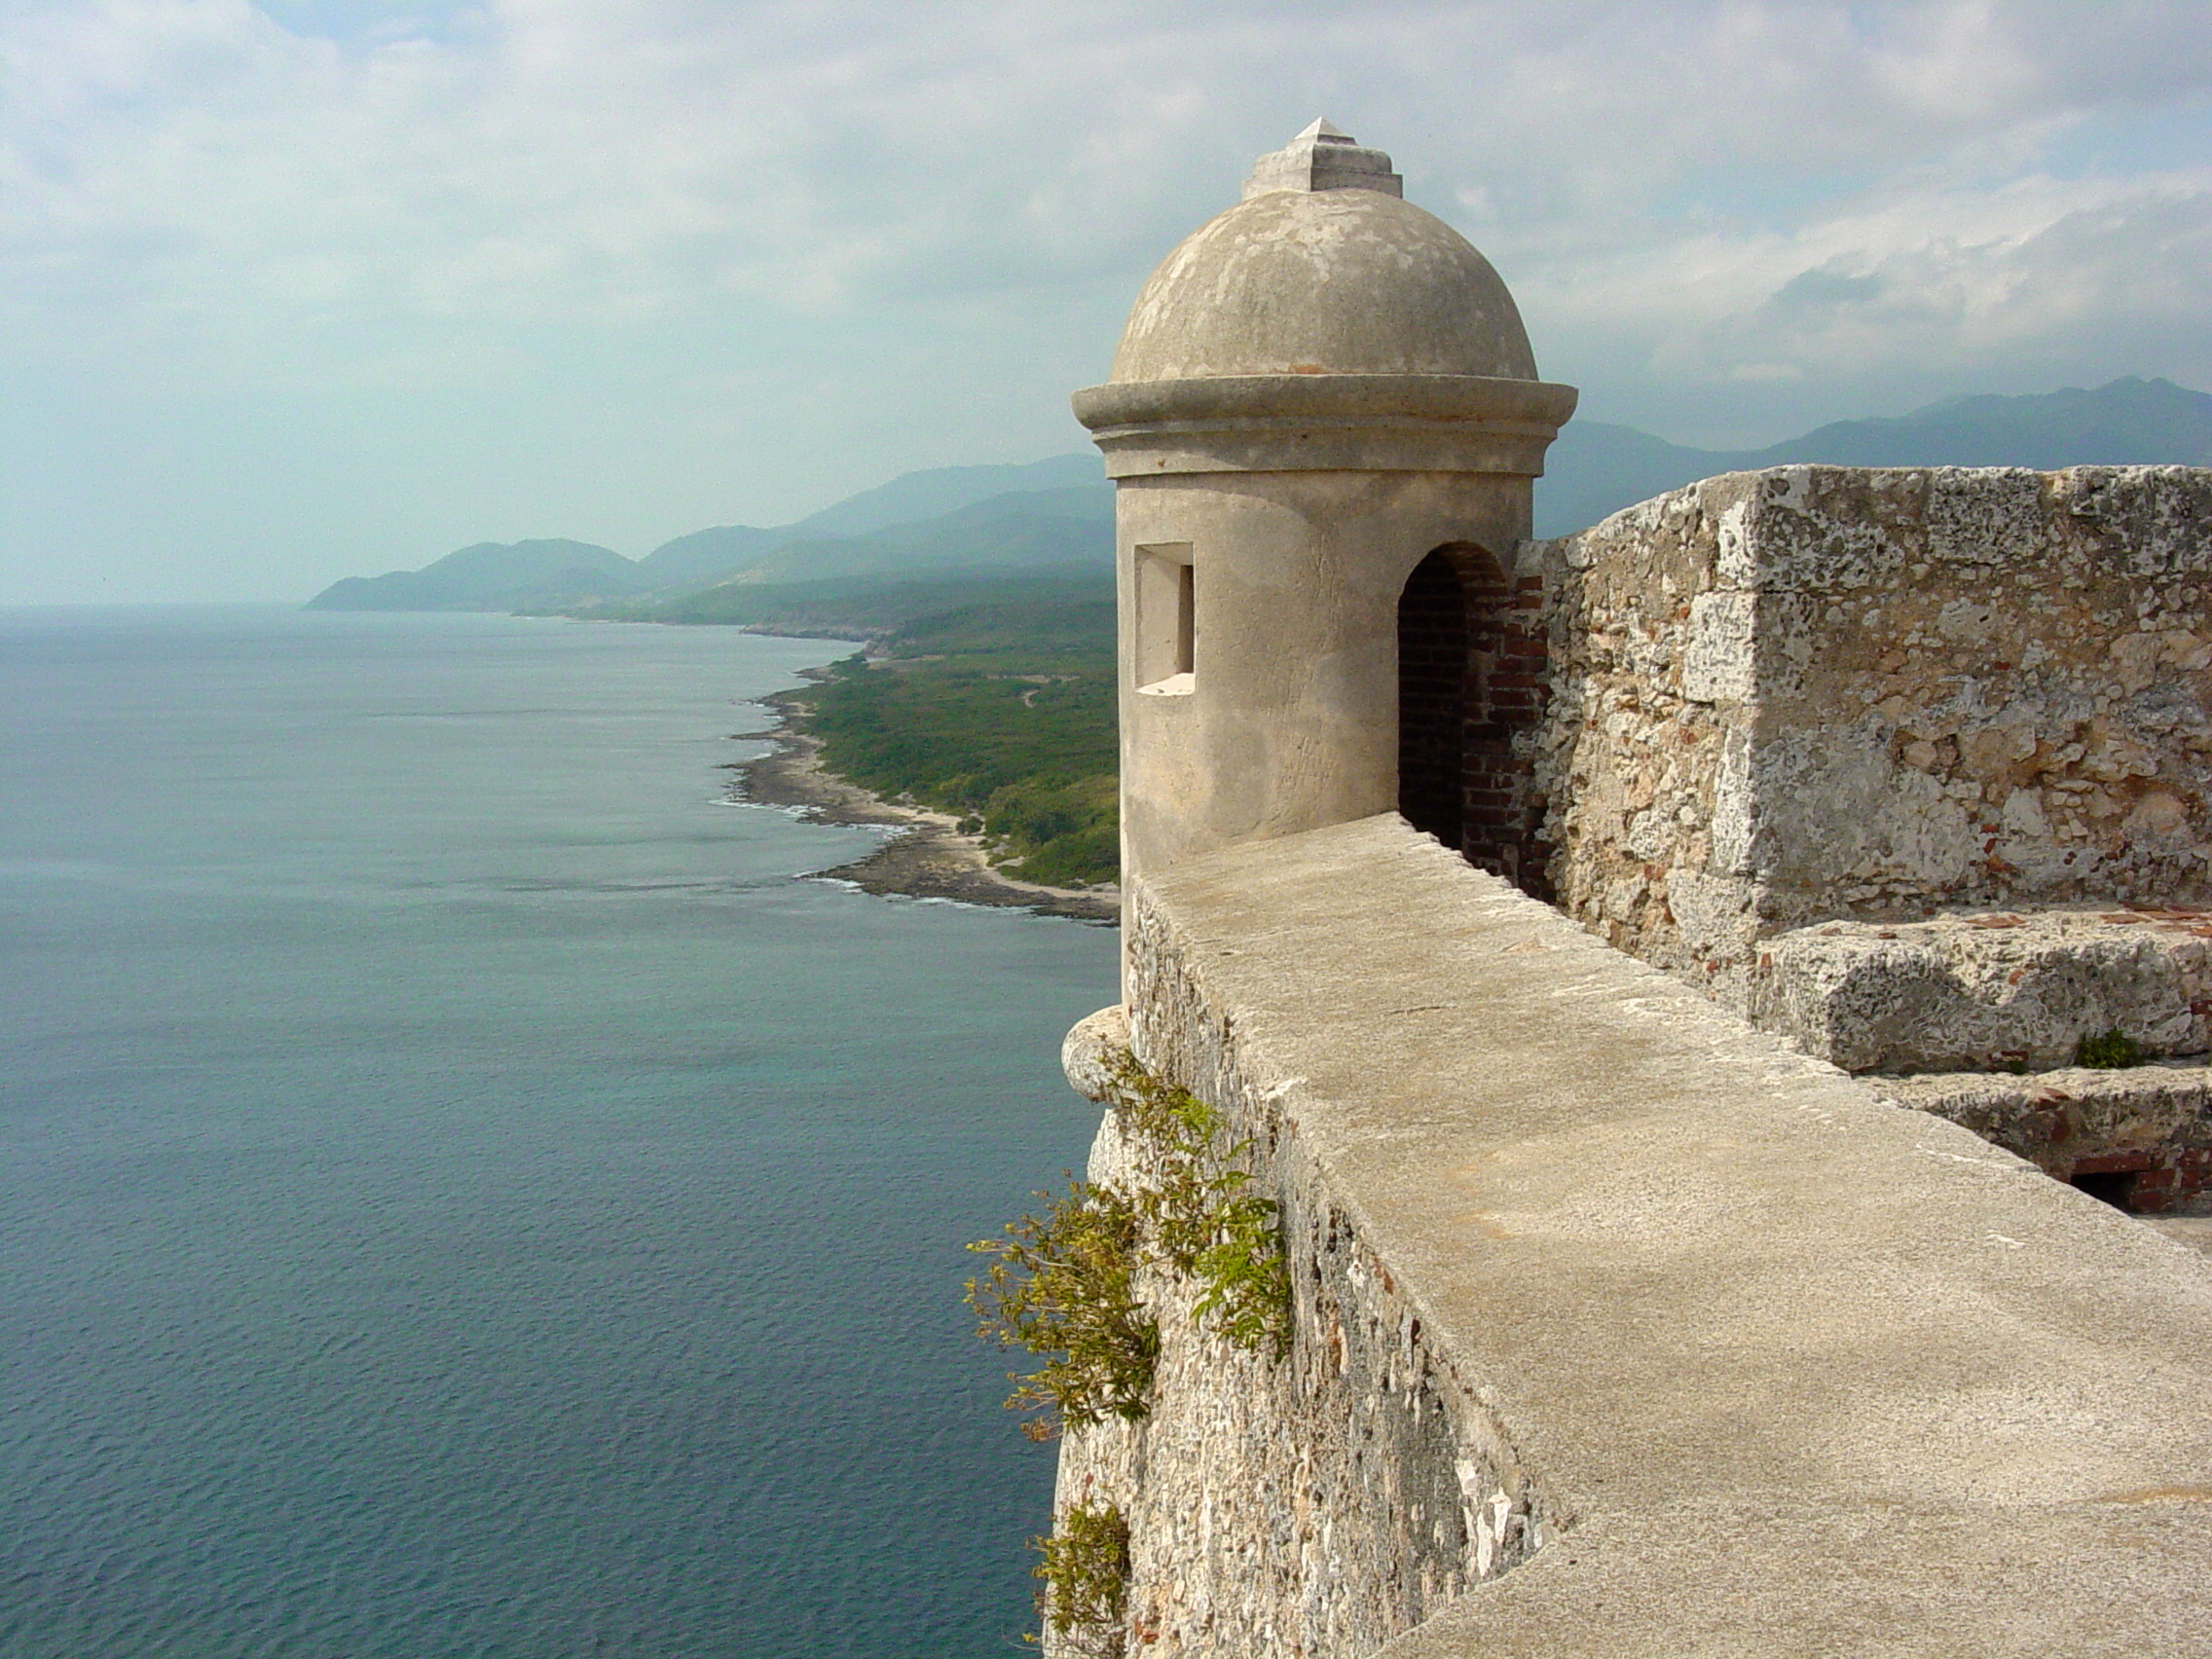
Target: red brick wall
1471, 685
2157, 1182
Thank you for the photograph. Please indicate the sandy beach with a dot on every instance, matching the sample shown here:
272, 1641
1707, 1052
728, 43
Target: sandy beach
929, 859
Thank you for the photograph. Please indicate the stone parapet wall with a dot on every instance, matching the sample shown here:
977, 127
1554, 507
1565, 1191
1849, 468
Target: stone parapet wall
1313, 1506
1619, 1328
1642, 759
1992, 991
1784, 697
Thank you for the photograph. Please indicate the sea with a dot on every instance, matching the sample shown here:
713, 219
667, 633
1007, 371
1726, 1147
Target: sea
465, 1192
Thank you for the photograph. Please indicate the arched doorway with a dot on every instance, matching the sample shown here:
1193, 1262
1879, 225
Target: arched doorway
1470, 663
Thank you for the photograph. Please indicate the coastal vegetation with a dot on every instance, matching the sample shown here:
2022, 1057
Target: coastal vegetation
1084, 1566
1066, 1285
1001, 714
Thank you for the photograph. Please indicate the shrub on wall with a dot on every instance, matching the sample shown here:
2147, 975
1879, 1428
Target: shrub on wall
1063, 1284
1205, 1221
1084, 1568
2114, 1051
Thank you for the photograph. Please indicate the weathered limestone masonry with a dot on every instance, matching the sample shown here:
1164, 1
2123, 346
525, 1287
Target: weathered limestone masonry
1785, 697
2143, 1134
1314, 1506
1620, 1329
1910, 766
1989, 989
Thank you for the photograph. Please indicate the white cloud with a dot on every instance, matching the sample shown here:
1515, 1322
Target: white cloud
209, 190
576, 157
1922, 273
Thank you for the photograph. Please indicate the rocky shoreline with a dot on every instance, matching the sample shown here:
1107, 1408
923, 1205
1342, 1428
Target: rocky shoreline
928, 859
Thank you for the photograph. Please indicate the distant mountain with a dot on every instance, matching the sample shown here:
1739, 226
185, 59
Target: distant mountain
554, 576
492, 575
944, 489
1057, 516
913, 495
1030, 529
860, 607
1595, 469
706, 554
2130, 422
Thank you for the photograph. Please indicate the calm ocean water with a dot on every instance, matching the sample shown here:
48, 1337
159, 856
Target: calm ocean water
459, 1194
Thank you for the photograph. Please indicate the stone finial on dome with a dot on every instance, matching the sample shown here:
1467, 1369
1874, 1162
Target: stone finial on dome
1323, 156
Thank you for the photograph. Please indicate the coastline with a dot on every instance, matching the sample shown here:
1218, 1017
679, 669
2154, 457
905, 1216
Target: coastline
929, 858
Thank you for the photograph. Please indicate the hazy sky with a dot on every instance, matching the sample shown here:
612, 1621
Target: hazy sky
310, 288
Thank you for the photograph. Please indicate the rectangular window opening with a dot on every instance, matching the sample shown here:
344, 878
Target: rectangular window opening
1166, 619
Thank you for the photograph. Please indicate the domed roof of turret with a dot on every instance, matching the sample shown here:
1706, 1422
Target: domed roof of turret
1324, 269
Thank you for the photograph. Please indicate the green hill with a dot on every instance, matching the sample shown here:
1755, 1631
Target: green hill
1002, 712
1046, 514
912, 498
492, 575
861, 608
1064, 529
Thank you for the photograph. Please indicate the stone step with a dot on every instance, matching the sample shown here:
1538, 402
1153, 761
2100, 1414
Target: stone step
2140, 1136
1989, 991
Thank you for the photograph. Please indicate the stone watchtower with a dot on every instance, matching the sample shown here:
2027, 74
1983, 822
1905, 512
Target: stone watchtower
1324, 422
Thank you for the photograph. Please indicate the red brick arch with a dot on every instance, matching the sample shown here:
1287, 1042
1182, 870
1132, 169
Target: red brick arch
1470, 688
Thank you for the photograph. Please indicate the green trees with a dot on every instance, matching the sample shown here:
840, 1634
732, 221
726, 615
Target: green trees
1003, 714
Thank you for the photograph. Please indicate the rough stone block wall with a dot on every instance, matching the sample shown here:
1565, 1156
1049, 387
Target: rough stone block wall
1816, 692
1993, 991
1641, 754
1316, 1504
1618, 1329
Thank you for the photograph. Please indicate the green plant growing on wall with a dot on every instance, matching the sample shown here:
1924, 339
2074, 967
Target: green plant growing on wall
1205, 1222
2111, 1051
1062, 1284
1084, 1570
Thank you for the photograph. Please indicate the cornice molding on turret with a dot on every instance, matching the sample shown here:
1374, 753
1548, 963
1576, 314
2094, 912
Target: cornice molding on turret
1325, 422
